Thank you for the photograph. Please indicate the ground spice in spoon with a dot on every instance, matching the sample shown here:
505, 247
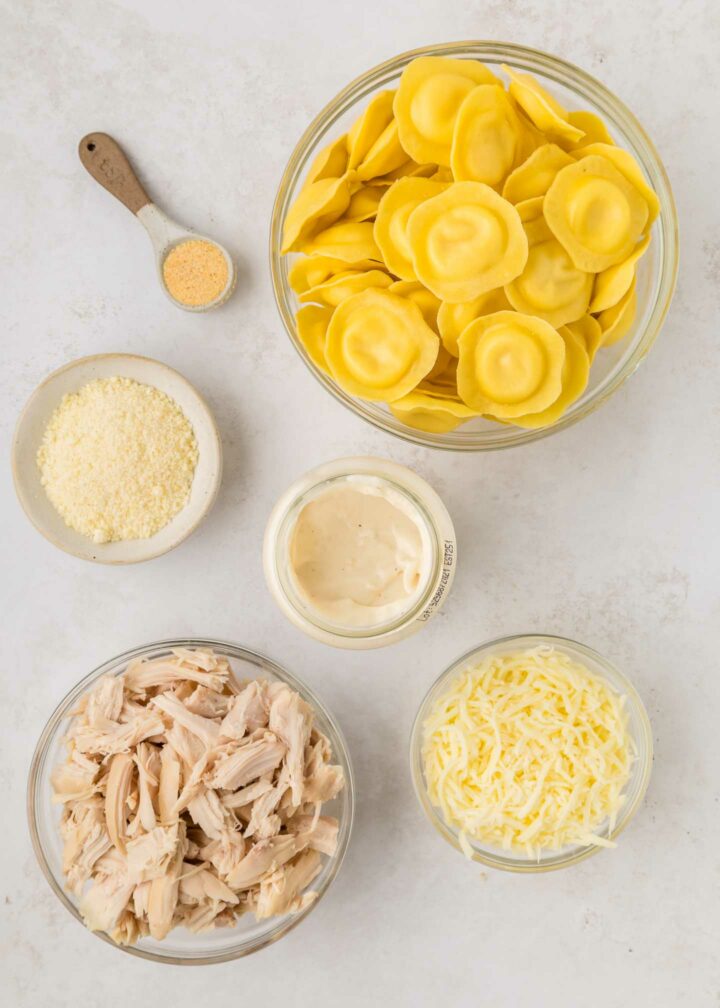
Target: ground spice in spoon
195, 272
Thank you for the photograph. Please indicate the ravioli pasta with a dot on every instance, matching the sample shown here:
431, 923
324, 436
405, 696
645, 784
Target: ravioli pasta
551, 286
510, 364
535, 175
467, 248
378, 345
573, 380
595, 213
466, 241
432, 89
391, 223
312, 324
333, 291
454, 318
486, 137
541, 108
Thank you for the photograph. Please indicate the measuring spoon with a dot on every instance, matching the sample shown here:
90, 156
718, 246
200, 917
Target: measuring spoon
106, 161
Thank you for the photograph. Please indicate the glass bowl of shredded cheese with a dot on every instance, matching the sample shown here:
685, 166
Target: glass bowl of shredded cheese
531, 753
89, 868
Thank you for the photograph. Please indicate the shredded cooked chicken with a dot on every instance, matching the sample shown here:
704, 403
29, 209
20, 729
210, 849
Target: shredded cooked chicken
189, 799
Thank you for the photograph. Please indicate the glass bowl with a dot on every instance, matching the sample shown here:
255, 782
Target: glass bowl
182, 947
638, 727
656, 271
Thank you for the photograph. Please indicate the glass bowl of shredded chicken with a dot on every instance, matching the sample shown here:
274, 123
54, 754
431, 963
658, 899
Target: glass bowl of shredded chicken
531, 753
190, 801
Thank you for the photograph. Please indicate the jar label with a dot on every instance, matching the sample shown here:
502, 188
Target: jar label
446, 575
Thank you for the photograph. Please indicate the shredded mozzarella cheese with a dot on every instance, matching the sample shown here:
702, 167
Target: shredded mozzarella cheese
528, 751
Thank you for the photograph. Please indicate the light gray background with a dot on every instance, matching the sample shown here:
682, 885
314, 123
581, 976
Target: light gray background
606, 533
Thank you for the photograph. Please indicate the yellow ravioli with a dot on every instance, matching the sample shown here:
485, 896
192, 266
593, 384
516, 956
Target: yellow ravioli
534, 223
426, 412
330, 162
595, 213
550, 286
592, 126
364, 203
440, 368
369, 126
379, 346
486, 137
530, 137
334, 290
574, 377
510, 364
384, 156
391, 223
453, 318
588, 329
540, 107
317, 205
409, 169
613, 284
426, 301
535, 175
627, 166
442, 381
309, 271
348, 241
432, 89
466, 241
530, 208
616, 322
442, 384
312, 324
412, 191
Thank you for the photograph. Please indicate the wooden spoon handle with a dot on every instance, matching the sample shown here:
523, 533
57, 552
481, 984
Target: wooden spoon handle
105, 159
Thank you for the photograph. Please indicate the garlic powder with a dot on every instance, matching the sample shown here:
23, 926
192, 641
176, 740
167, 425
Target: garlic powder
195, 272
117, 459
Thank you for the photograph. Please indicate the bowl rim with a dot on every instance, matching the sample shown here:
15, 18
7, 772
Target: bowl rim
563, 72
24, 498
554, 861
286, 923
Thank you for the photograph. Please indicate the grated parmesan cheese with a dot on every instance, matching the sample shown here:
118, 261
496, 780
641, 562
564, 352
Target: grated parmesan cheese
528, 752
117, 459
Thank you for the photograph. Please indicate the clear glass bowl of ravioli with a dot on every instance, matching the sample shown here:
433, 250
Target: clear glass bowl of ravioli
182, 946
354, 283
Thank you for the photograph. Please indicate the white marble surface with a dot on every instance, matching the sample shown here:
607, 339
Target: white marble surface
607, 532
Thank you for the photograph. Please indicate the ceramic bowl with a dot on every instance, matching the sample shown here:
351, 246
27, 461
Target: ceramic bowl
31, 427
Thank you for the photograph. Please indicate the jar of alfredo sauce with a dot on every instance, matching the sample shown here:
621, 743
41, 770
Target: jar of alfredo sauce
359, 553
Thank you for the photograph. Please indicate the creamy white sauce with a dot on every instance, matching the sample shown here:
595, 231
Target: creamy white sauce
360, 553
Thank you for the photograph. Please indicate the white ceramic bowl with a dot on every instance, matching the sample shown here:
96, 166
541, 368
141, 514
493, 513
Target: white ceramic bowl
31, 427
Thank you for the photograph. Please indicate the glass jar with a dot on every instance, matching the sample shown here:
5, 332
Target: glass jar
416, 498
